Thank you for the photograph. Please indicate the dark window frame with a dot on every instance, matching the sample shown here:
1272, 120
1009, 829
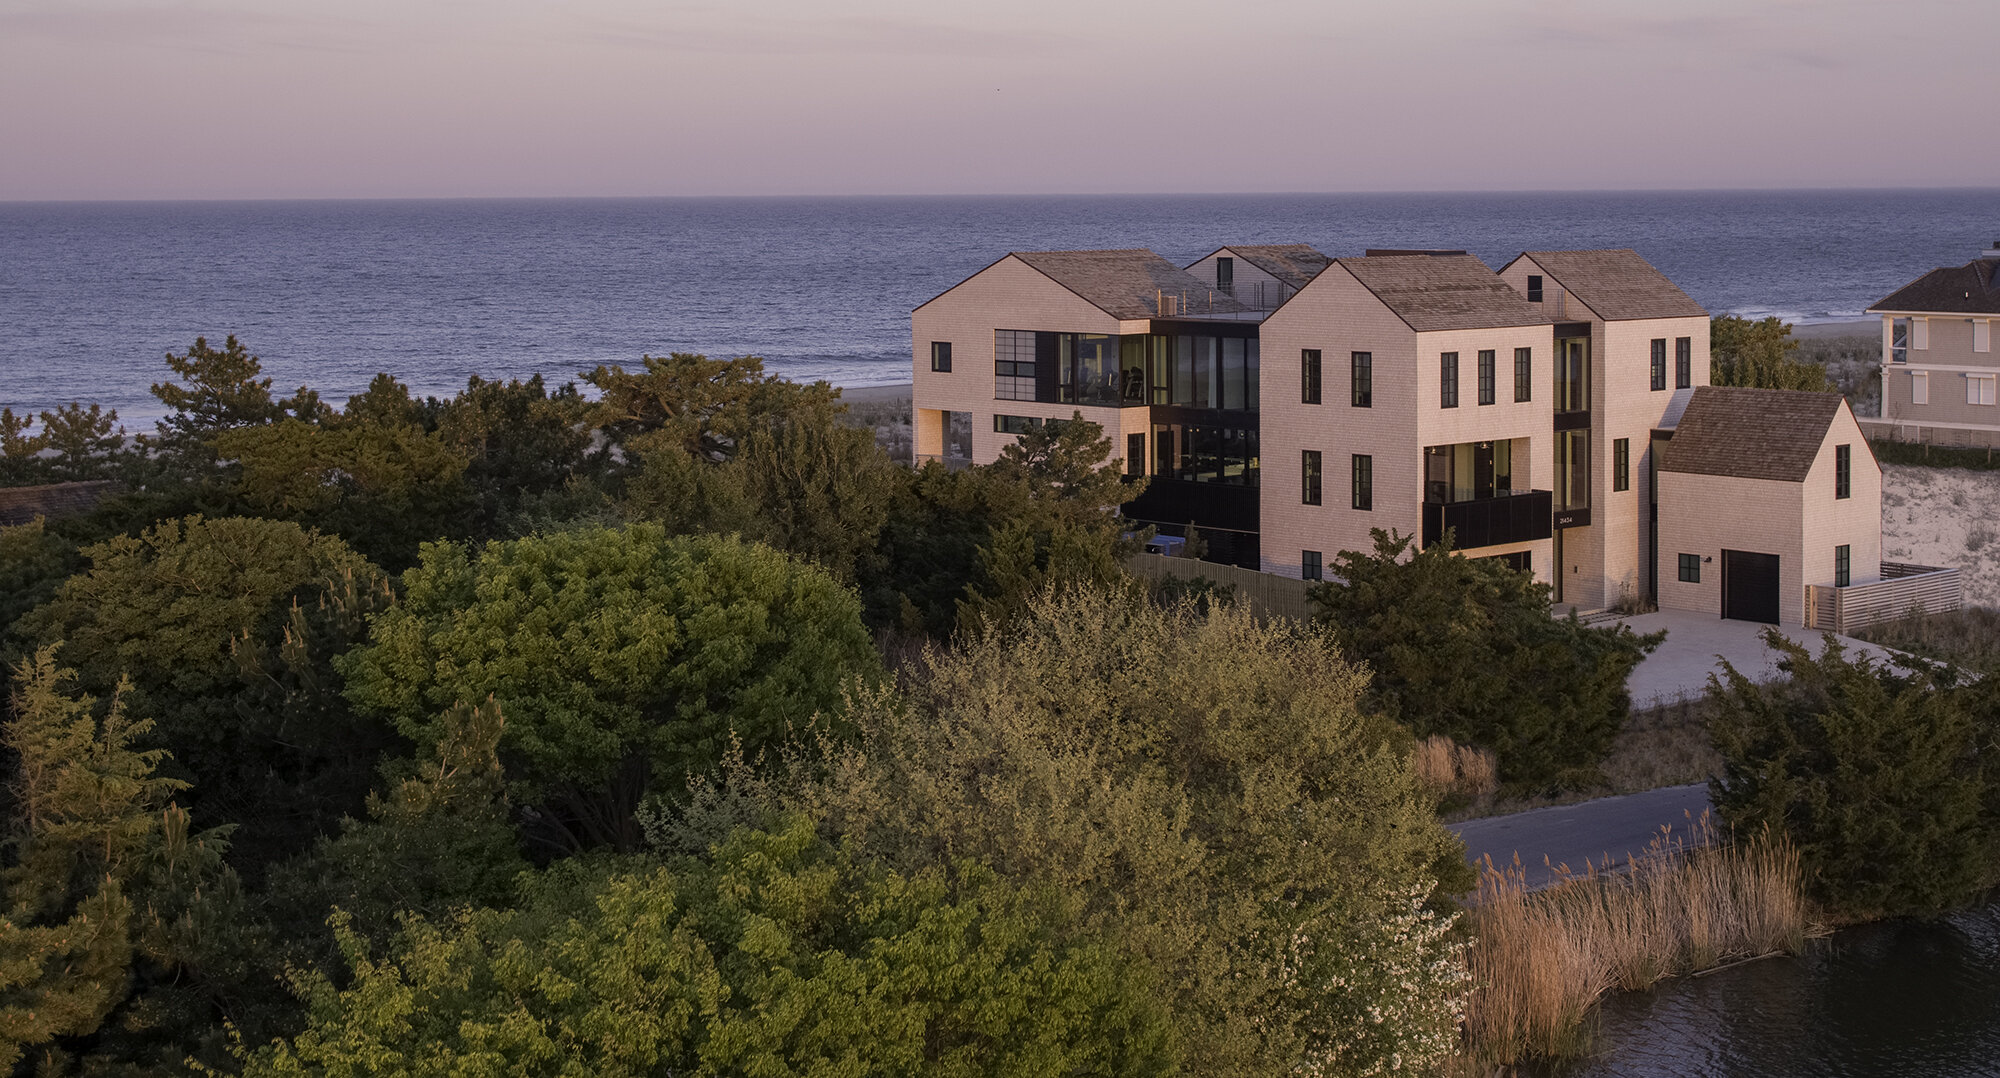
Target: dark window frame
1311, 477
1361, 379
1361, 471
941, 357
1843, 472
1683, 362
1487, 389
1843, 566
1621, 464
1309, 375
1524, 375
1659, 363
1447, 379
1310, 565
1025, 423
1534, 288
1690, 568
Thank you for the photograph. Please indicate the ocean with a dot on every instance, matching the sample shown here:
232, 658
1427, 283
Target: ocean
327, 293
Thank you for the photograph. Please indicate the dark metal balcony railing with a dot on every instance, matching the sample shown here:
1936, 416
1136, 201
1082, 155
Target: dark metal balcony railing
1515, 518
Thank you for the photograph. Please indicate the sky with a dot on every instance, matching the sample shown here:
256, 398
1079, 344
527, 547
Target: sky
146, 99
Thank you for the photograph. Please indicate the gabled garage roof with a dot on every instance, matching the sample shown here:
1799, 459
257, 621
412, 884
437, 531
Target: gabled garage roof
1751, 433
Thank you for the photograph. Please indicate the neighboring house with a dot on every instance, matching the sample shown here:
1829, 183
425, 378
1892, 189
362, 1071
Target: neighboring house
1415, 392
1939, 368
1629, 345
20, 505
1763, 492
1260, 277
1406, 393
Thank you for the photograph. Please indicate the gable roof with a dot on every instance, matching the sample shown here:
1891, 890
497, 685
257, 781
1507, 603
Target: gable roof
1617, 284
1751, 433
1439, 292
1973, 288
1292, 263
1125, 284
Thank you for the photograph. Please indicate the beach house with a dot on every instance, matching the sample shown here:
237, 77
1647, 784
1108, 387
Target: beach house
1284, 403
1939, 368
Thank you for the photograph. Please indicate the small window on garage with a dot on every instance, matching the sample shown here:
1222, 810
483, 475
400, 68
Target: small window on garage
1690, 568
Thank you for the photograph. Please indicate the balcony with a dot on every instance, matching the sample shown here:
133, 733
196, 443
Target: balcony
1483, 522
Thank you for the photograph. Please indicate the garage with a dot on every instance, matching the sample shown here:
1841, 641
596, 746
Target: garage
1750, 586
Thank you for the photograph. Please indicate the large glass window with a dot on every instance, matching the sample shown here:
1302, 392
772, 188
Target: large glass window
1572, 469
1573, 374
1196, 453
1094, 359
1363, 379
1524, 374
1014, 424
1013, 365
1309, 376
1683, 362
1309, 477
1486, 376
1468, 471
1448, 380
1659, 363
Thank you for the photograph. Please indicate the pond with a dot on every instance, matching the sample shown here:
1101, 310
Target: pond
1915, 998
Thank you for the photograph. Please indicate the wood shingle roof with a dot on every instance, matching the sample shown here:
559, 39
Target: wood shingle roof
1442, 292
1126, 284
1751, 433
1973, 288
1617, 284
1292, 263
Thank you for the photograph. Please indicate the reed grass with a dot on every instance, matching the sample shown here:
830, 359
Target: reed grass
1455, 773
1542, 959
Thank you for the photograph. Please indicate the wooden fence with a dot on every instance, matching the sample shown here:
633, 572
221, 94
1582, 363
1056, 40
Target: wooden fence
1268, 595
1903, 589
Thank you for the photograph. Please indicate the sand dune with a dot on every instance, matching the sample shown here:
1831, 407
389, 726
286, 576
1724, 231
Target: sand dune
1945, 517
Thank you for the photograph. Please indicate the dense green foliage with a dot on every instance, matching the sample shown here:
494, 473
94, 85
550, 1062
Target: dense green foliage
1884, 778
619, 656
776, 955
1759, 355
1468, 649
1207, 791
111, 906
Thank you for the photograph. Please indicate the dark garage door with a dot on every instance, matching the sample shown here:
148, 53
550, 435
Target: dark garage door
1750, 586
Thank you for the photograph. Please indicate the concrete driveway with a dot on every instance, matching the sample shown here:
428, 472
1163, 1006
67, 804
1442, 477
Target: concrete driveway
1681, 665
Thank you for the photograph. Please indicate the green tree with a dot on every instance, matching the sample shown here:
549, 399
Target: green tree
86, 443
1207, 791
1881, 777
617, 655
227, 629
386, 489
1759, 355
1467, 648
21, 462
33, 563
527, 448
704, 406
781, 955
222, 392
112, 903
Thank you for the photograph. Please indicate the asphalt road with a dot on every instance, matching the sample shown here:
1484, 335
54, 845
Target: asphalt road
1587, 832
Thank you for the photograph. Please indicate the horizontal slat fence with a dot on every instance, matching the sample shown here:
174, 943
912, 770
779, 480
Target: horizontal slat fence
1903, 589
1268, 594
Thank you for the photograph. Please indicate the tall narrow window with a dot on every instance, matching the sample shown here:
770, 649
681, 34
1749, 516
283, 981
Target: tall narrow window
1486, 389
941, 356
1534, 288
1448, 380
1524, 374
1135, 454
1309, 375
1659, 363
1982, 335
1309, 476
1225, 276
1621, 464
1920, 334
1309, 565
1899, 340
1920, 387
1363, 379
1842, 569
1364, 482
1843, 470
1683, 362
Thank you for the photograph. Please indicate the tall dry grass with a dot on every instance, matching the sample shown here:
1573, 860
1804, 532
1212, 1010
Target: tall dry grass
1542, 959
1452, 772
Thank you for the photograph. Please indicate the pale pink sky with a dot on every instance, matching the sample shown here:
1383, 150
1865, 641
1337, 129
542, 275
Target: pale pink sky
392, 98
